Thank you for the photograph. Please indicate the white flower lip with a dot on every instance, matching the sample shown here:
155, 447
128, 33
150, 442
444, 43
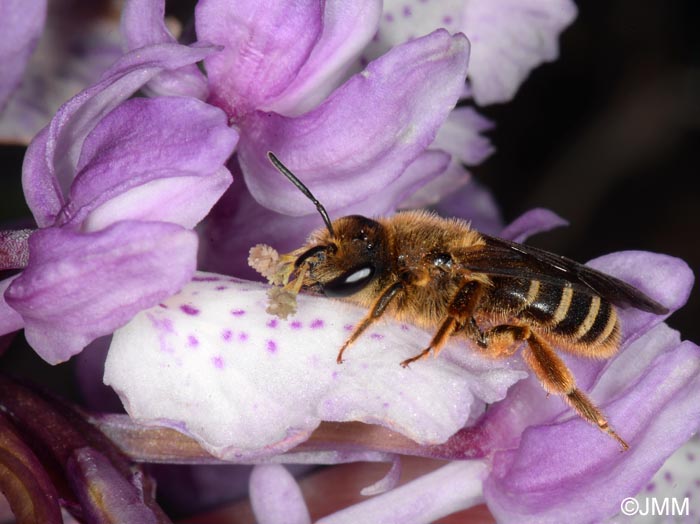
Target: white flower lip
210, 362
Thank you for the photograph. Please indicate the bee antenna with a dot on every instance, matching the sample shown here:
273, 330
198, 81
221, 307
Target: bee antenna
301, 187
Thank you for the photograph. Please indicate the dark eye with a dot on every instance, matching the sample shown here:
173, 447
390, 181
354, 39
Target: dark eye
349, 282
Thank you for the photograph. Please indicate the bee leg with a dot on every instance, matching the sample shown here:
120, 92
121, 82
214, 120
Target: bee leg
443, 334
553, 374
378, 309
460, 316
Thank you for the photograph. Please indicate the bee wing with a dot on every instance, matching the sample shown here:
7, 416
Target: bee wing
500, 257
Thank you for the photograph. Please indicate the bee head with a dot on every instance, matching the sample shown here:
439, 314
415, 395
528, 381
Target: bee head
344, 263
343, 258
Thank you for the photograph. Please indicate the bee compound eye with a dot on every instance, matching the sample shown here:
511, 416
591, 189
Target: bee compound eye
349, 282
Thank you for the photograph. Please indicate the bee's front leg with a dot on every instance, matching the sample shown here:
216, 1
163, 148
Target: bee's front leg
378, 309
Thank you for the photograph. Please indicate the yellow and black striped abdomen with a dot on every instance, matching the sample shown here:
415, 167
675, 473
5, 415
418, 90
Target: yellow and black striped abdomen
569, 316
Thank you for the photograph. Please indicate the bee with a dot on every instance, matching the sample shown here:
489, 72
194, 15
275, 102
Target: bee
441, 275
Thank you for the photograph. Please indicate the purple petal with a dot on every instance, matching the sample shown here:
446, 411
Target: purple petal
386, 483
460, 136
454, 178
511, 37
21, 23
50, 163
245, 384
265, 45
530, 223
104, 494
77, 45
452, 488
78, 286
572, 469
347, 28
10, 320
143, 24
475, 203
276, 497
396, 105
152, 159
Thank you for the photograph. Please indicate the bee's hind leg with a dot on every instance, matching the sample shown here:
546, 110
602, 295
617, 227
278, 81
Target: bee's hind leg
551, 371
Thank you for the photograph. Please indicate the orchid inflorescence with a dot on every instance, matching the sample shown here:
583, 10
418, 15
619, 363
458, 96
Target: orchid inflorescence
148, 189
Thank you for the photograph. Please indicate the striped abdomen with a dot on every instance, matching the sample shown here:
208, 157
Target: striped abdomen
566, 313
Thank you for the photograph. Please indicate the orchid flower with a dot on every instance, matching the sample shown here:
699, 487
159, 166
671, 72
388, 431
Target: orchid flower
110, 183
117, 184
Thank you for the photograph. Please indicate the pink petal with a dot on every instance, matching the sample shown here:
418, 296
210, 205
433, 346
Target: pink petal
347, 28
510, 38
50, 163
143, 24
276, 496
78, 287
452, 488
535, 221
265, 43
155, 159
396, 106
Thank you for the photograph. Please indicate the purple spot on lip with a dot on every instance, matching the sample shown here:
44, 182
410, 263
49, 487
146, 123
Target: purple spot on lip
272, 323
668, 477
317, 323
205, 279
226, 334
221, 288
163, 306
243, 336
218, 362
271, 346
238, 312
447, 20
348, 327
192, 341
295, 324
162, 324
650, 486
190, 310
376, 336
404, 327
